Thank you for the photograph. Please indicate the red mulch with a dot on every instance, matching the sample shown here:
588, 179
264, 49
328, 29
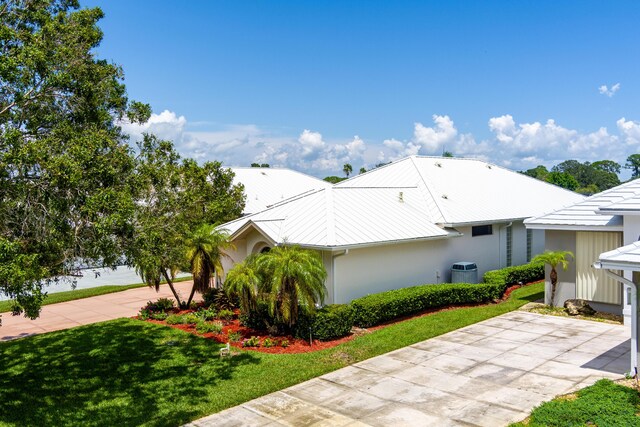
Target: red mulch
302, 346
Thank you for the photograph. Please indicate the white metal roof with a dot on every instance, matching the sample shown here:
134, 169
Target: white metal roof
598, 212
411, 199
624, 258
460, 191
267, 186
345, 217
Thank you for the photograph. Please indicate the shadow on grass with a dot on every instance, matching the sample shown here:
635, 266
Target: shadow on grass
122, 372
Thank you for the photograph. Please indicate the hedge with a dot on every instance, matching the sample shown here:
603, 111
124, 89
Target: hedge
329, 322
377, 308
517, 274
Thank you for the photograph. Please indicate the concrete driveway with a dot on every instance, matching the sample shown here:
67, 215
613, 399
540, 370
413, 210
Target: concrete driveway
488, 374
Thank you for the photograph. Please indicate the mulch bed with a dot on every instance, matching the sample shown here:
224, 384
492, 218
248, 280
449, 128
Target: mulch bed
296, 345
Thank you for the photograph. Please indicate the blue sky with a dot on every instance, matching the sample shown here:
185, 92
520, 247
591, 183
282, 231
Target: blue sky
312, 85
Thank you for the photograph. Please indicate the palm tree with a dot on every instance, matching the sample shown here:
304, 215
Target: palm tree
347, 169
244, 282
293, 281
553, 258
205, 250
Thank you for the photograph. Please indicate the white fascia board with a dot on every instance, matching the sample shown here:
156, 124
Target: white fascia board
251, 224
372, 244
487, 222
530, 226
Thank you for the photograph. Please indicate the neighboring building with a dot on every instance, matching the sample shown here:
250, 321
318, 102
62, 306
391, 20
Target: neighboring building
267, 186
600, 223
406, 223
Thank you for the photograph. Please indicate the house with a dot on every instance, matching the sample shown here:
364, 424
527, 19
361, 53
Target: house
406, 223
598, 224
267, 186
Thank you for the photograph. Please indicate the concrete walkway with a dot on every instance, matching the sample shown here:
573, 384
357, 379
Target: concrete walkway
64, 315
488, 374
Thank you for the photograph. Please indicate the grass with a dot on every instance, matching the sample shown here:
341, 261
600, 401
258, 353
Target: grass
57, 297
603, 404
127, 372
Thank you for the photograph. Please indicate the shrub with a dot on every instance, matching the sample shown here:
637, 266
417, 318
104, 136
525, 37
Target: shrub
218, 299
207, 314
193, 305
284, 343
517, 274
205, 327
251, 342
377, 308
159, 316
268, 342
144, 313
191, 319
226, 314
161, 305
330, 322
175, 319
233, 336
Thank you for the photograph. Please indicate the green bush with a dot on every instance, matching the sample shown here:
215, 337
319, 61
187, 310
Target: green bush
226, 314
161, 305
217, 298
175, 319
207, 314
206, 327
377, 308
159, 316
517, 274
330, 322
191, 319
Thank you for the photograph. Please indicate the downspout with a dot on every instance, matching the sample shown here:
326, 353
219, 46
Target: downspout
634, 313
333, 272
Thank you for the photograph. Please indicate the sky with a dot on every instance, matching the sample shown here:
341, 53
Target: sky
312, 85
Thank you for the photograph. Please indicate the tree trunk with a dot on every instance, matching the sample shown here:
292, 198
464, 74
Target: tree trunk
193, 291
170, 283
554, 281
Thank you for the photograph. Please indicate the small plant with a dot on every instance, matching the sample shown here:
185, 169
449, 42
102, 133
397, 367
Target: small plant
143, 314
218, 299
233, 336
251, 342
159, 316
226, 314
284, 343
206, 327
161, 305
193, 305
175, 319
191, 319
207, 314
268, 342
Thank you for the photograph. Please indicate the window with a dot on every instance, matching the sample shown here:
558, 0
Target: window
481, 230
529, 244
509, 245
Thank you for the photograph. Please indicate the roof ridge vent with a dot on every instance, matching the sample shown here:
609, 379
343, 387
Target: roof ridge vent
444, 196
438, 164
489, 166
401, 197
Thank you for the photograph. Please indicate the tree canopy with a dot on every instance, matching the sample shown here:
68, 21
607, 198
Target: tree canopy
586, 178
62, 154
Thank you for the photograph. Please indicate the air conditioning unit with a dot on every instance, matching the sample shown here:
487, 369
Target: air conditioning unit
464, 272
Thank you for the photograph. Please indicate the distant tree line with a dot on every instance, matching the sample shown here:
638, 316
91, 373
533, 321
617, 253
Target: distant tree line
586, 178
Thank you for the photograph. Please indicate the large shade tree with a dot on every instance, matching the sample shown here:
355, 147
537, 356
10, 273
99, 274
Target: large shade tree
64, 196
553, 258
174, 198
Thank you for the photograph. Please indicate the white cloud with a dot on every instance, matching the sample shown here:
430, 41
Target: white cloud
604, 90
512, 144
630, 130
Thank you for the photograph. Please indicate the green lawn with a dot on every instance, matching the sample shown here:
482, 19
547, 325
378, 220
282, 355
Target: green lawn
604, 404
83, 293
128, 372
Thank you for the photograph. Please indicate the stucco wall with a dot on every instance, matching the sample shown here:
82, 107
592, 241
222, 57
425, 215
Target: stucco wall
379, 268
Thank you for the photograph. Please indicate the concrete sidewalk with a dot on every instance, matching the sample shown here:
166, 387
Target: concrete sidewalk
64, 315
488, 374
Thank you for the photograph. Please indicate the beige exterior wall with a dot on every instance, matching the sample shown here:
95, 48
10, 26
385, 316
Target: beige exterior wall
592, 284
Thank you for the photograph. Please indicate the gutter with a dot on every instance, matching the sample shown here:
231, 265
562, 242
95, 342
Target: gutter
634, 312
